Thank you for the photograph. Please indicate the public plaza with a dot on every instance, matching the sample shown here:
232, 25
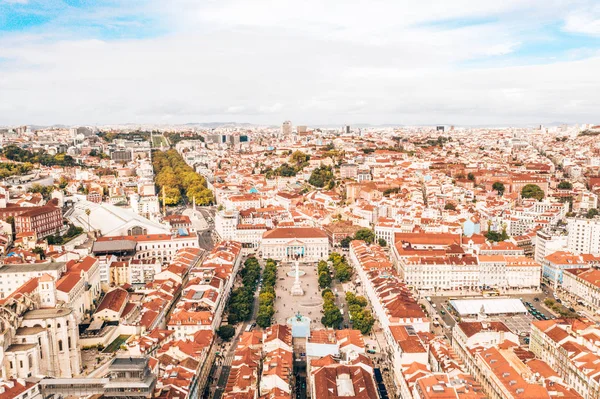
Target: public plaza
309, 304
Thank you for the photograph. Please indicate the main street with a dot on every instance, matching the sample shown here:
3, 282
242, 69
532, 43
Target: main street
202, 220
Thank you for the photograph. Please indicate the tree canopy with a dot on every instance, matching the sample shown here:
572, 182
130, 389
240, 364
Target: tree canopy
498, 187
332, 316
591, 213
14, 169
226, 332
362, 319
179, 180
342, 270
324, 275
450, 206
322, 177
241, 301
532, 191
565, 185
18, 154
366, 235
266, 299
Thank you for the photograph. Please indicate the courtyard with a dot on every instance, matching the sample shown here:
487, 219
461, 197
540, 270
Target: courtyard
309, 305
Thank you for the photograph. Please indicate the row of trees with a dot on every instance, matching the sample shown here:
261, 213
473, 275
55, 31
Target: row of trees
12, 169
266, 299
18, 154
178, 179
324, 274
342, 270
361, 317
332, 316
241, 301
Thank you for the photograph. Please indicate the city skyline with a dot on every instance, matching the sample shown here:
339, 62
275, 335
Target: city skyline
465, 63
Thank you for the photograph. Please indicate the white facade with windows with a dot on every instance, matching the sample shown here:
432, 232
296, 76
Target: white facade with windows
584, 236
303, 243
225, 224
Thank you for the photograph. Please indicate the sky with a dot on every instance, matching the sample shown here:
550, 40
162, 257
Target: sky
314, 62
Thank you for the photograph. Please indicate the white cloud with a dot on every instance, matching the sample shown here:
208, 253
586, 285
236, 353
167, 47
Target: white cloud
586, 21
311, 62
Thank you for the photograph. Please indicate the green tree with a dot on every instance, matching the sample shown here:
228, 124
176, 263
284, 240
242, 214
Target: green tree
324, 280
226, 332
299, 158
343, 272
321, 176
565, 185
332, 317
39, 251
264, 316
498, 187
471, 176
172, 196
345, 242
357, 300
495, 236
532, 191
363, 320
366, 235
450, 206
592, 213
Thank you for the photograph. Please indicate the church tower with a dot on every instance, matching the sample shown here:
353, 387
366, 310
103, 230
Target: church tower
47, 290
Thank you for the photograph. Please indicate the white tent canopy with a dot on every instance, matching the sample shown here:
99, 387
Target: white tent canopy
493, 306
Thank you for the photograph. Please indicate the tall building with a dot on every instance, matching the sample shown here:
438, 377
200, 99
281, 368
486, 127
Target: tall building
286, 128
547, 243
584, 236
225, 224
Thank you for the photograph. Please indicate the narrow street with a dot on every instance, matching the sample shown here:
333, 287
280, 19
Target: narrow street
223, 369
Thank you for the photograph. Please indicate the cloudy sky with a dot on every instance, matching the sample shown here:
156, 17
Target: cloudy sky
312, 61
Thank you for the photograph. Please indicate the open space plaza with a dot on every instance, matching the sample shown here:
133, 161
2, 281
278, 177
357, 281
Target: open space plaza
309, 304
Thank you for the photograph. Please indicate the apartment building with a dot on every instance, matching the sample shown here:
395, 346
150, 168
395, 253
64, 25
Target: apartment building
583, 286
44, 221
584, 236
554, 265
570, 347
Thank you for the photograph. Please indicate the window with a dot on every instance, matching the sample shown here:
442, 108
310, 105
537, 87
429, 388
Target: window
60, 345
